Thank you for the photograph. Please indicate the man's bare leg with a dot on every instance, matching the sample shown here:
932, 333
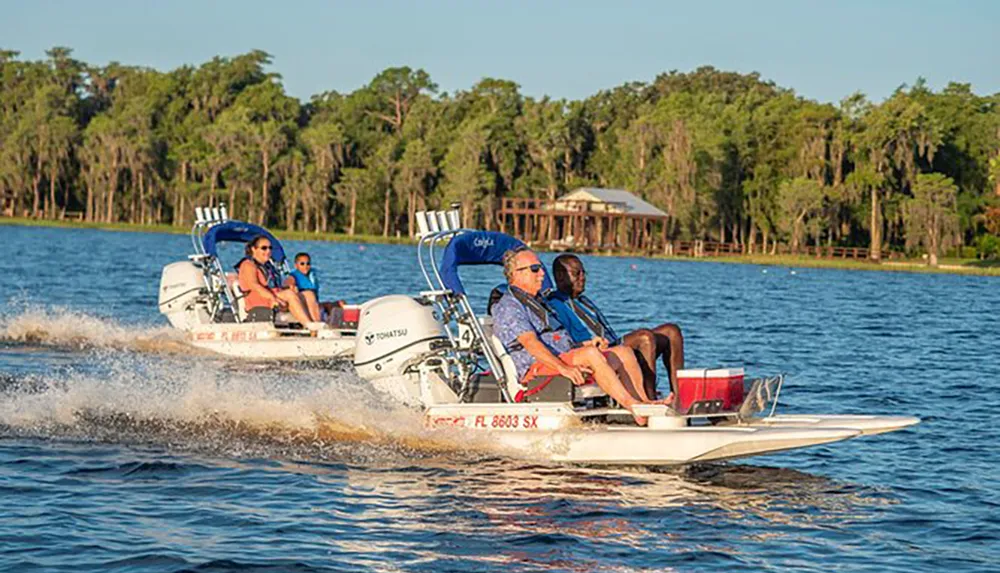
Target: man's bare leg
633, 378
643, 342
591, 359
670, 345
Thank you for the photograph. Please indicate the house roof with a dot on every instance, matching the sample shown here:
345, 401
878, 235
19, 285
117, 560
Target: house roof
633, 205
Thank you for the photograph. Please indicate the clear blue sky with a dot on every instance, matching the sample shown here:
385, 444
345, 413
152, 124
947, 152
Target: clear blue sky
572, 49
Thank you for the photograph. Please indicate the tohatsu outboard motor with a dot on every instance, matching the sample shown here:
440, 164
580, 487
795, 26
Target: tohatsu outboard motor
182, 295
396, 334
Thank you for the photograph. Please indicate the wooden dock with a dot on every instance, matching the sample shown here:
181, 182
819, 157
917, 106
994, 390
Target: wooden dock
607, 228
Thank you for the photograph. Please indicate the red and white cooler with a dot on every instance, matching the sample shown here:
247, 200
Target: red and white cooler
709, 390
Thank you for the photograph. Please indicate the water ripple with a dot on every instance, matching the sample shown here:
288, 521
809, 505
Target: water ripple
118, 453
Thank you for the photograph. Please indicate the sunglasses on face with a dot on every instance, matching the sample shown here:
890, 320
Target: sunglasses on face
264, 248
534, 268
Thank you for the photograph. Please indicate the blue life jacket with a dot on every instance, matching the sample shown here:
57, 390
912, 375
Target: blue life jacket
305, 281
582, 318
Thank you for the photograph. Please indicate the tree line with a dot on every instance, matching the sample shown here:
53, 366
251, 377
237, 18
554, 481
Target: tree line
730, 157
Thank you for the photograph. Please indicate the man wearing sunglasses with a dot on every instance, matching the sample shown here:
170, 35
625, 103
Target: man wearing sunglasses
539, 345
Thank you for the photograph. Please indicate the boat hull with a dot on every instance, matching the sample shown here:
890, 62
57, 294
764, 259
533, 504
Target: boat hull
639, 446
867, 425
262, 341
556, 432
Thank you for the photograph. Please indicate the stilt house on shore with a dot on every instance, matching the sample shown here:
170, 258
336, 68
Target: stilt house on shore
588, 219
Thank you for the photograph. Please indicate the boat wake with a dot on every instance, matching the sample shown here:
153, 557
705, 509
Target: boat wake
35, 325
226, 409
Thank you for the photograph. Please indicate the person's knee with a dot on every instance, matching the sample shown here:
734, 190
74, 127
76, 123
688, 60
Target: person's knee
670, 330
590, 355
645, 338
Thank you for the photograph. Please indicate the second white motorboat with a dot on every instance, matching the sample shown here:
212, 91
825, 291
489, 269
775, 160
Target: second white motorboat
201, 298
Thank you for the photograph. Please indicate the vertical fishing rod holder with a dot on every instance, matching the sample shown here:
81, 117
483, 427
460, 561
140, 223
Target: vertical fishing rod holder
204, 218
433, 222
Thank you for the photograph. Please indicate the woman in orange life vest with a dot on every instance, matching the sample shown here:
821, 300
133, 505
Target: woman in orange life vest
259, 282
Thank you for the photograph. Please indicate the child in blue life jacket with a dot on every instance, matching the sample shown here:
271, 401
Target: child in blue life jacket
308, 284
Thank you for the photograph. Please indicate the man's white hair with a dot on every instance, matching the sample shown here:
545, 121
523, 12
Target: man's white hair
510, 261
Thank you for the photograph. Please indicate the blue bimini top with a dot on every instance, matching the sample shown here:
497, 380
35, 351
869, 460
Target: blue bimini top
239, 232
477, 248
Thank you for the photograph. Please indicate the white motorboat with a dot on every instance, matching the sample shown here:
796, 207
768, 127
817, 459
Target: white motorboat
435, 353
201, 298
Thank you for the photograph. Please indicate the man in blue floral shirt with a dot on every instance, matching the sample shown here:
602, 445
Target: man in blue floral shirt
538, 344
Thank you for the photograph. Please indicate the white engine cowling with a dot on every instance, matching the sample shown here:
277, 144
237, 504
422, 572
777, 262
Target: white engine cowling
393, 330
181, 287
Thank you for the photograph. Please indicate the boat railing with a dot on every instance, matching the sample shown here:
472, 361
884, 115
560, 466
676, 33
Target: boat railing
214, 274
762, 395
451, 305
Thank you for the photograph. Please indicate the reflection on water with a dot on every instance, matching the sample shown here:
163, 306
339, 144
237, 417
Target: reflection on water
392, 479
121, 449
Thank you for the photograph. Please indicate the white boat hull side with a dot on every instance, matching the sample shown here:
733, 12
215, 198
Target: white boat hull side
867, 425
555, 432
262, 341
626, 446
287, 349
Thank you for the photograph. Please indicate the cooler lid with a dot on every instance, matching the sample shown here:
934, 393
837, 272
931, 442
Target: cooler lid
710, 373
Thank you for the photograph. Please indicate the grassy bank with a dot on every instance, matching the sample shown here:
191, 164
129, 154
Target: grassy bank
136, 228
947, 266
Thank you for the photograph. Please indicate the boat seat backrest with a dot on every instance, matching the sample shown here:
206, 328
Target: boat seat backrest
509, 369
233, 282
257, 314
495, 295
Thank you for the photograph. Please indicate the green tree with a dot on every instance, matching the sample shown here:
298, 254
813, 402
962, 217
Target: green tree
930, 215
416, 168
466, 178
800, 199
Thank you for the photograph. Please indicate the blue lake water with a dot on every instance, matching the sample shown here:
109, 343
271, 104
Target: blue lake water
121, 450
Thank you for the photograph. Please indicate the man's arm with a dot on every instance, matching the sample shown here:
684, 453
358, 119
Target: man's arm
599, 342
542, 354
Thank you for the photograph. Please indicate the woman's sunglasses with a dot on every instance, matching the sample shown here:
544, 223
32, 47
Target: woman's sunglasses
264, 248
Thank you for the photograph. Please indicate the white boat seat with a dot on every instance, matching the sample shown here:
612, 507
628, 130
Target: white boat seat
506, 362
233, 283
281, 318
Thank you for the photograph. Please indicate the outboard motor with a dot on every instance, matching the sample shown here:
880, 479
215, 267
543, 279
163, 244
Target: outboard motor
182, 289
395, 333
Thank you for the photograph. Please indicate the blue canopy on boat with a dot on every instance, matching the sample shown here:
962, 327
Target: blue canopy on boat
476, 248
239, 232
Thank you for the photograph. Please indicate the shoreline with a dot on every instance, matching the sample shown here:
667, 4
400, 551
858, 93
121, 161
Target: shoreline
175, 230
947, 266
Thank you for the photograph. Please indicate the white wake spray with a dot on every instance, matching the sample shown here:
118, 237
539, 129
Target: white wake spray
224, 406
64, 327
